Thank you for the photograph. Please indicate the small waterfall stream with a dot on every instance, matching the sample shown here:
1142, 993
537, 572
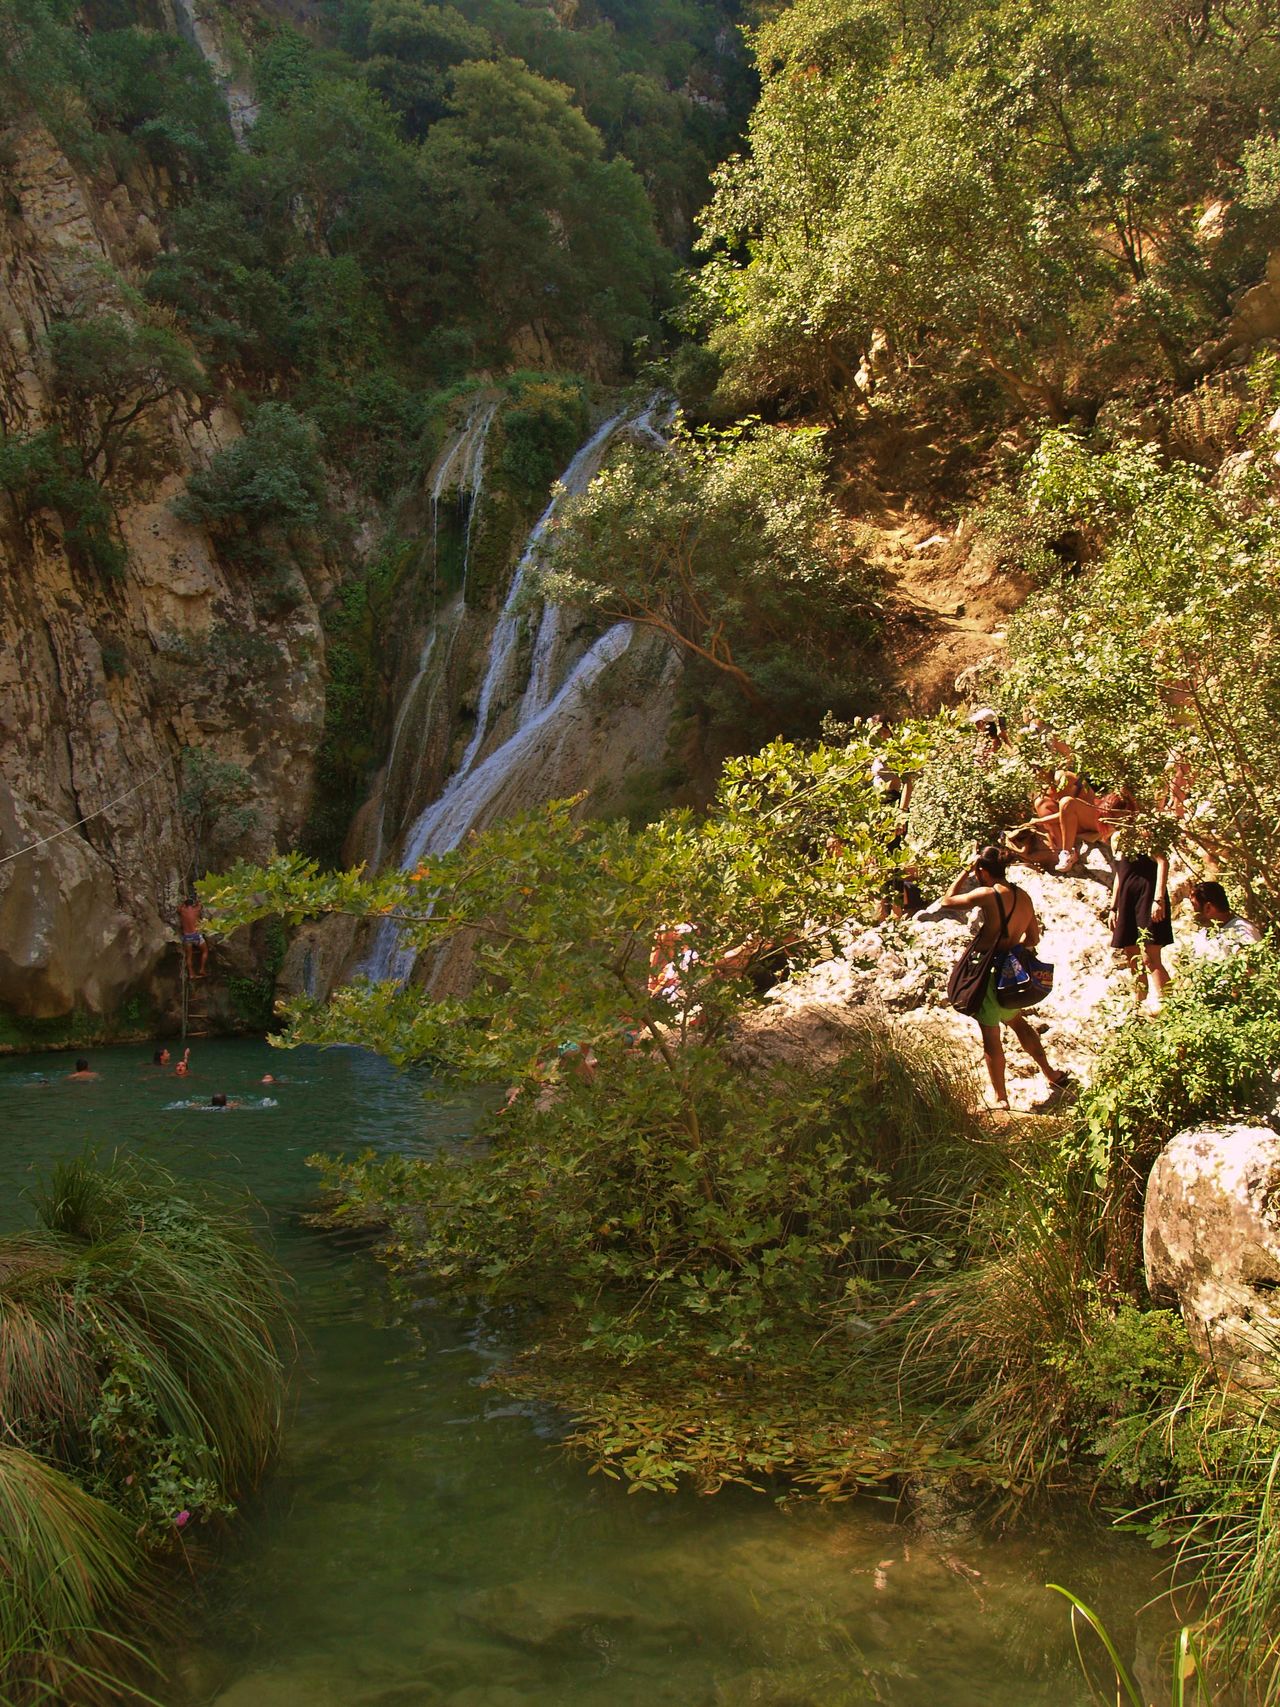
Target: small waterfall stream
460, 469
481, 786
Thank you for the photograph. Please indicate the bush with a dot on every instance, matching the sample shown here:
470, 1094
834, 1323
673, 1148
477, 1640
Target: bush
141, 1389
963, 800
270, 477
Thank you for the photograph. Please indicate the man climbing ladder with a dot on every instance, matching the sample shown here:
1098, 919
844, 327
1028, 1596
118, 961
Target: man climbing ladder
190, 919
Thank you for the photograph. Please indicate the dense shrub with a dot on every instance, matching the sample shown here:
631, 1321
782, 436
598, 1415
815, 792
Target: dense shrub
141, 1389
270, 477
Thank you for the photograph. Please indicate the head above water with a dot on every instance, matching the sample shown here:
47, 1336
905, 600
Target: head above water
160, 1057
82, 1066
990, 863
218, 1099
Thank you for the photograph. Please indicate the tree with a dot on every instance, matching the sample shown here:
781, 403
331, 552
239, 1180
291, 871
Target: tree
727, 546
108, 373
1158, 663
668, 1200
529, 214
270, 477
982, 194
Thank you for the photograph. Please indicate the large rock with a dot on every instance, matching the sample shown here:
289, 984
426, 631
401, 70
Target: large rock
1211, 1240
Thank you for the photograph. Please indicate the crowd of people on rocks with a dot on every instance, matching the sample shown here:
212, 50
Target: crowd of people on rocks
1070, 817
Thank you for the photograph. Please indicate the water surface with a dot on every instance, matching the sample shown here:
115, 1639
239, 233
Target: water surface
426, 1542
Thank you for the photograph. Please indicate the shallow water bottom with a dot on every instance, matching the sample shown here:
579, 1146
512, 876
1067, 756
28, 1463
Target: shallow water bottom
425, 1541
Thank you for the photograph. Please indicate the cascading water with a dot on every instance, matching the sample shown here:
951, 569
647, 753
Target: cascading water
460, 469
479, 788
402, 717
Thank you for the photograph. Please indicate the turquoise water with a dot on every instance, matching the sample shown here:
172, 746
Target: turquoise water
424, 1542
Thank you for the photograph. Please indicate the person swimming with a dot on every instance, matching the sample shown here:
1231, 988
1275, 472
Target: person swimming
83, 1071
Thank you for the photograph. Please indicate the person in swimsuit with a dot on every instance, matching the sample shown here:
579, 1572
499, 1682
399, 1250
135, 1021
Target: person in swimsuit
1007, 918
190, 918
83, 1071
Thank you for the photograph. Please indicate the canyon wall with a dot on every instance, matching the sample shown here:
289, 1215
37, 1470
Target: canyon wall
107, 678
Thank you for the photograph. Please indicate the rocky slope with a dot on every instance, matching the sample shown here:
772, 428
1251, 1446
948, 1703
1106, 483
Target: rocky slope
106, 680
900, 970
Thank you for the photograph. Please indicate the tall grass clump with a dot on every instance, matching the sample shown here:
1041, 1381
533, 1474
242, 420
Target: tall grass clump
71, 1566
141, 1388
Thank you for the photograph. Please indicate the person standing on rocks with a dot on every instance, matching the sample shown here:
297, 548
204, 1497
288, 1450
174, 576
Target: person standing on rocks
1141, 928
1008, 918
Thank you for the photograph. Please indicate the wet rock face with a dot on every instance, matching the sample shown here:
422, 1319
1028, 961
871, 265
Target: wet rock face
1211, 1240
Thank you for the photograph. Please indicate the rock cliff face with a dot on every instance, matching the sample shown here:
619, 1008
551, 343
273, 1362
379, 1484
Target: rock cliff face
106, 680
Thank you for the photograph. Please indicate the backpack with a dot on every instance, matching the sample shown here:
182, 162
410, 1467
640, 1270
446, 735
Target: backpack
967, 984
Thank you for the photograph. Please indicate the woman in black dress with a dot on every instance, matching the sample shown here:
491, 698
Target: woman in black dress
1140, 925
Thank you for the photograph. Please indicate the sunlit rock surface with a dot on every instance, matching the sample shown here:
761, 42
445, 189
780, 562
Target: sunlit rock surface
1211, 1240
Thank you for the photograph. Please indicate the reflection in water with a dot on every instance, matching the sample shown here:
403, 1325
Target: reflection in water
424, 1542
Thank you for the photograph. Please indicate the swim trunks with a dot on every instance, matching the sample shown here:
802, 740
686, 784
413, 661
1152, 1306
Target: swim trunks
196, 937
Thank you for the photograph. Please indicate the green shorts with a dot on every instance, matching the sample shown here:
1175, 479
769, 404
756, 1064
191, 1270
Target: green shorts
990, 1012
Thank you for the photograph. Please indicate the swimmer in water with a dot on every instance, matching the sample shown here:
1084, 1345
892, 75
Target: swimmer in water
219, 1100
160, 1057
83, 1071
183, 1068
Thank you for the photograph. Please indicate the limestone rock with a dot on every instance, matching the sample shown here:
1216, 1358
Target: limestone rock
899, 970
104, 680
1211, 1240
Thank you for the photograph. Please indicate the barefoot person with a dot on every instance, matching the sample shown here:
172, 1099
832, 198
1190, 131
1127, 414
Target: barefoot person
190, 918
1007, 918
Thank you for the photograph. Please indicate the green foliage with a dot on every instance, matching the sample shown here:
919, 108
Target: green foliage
989, 199
75, 1572
531, 214
1157, 663
663, 1207
965, 796
141, 1388
725, 545
541, 428
268, 479
215, 798
356, 714
156, 90
108, 373
39, 471
1211, 1053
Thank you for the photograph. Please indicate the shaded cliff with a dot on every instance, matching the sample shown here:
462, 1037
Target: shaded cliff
166, 695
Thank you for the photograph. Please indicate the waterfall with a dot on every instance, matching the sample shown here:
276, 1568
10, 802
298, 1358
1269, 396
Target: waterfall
460, 468
402, 717
479, 788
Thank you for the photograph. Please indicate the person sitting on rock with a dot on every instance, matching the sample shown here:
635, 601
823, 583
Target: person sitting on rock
1008, 917
1069, 817
1222, 932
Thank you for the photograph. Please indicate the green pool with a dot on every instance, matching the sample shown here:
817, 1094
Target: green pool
425, 1542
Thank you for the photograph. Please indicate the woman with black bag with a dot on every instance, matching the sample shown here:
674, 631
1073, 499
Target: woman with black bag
1008, 920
